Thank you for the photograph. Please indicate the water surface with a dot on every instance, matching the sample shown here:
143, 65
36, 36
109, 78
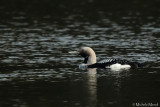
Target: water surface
36, 69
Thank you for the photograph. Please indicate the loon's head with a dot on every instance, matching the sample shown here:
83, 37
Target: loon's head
87, 53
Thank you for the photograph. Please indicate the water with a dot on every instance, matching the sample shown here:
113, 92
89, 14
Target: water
36, 69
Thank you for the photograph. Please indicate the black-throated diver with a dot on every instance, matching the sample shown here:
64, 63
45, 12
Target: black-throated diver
90, 61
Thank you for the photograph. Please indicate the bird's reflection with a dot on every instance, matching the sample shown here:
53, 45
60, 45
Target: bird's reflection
112, 85
90, 87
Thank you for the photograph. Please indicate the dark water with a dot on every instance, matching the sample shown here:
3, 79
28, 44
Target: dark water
36, 36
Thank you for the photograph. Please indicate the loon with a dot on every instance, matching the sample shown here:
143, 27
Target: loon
114, 64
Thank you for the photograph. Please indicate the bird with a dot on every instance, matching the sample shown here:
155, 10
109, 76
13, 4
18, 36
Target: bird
90, 61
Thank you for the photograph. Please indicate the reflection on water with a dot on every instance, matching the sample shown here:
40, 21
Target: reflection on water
36, 36
90, 86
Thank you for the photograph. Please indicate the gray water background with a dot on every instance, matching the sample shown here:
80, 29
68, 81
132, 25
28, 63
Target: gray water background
36, 69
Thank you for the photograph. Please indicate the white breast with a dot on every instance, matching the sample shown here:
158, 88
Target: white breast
117, 67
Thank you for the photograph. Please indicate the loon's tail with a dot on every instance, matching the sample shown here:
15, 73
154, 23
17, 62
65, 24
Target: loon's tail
139, 65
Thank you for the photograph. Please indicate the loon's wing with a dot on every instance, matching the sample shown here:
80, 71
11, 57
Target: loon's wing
103, 63
108, 62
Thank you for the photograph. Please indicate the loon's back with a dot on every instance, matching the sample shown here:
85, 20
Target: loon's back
111, 62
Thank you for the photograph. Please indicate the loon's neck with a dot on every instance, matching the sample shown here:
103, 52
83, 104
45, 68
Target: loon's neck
92, 58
